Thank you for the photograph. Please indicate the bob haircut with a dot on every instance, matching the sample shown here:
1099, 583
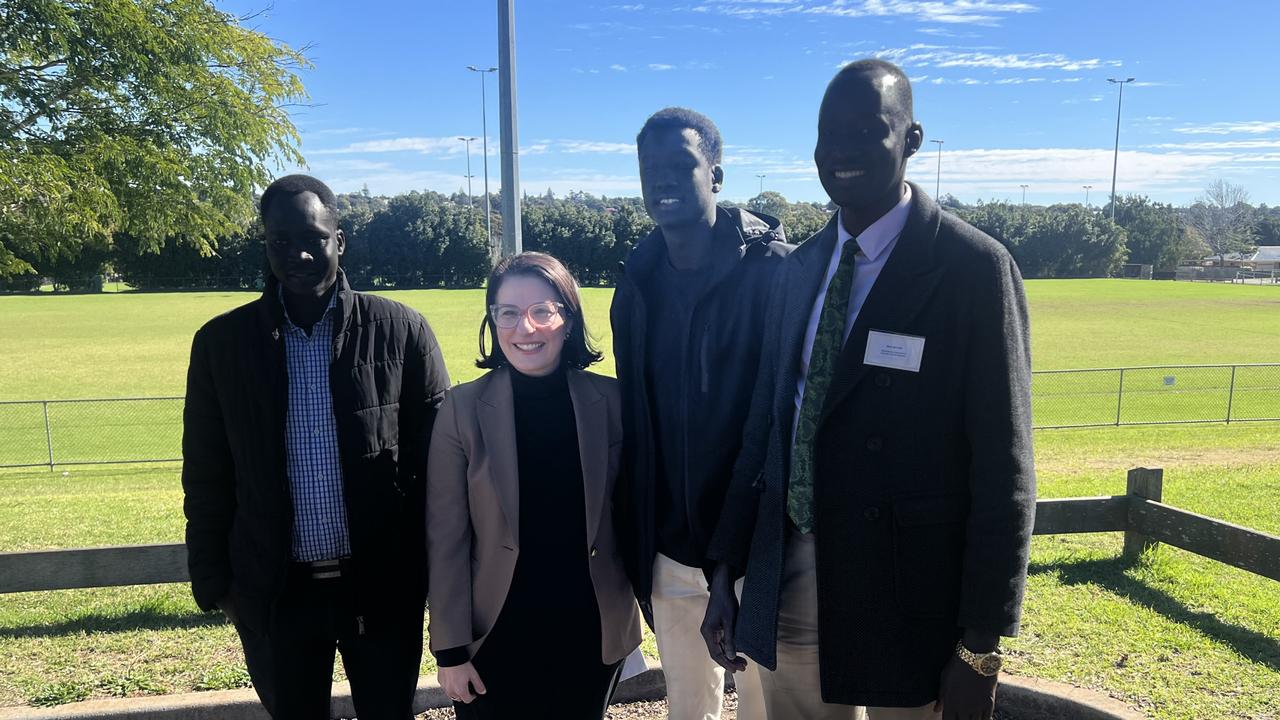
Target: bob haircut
578, 351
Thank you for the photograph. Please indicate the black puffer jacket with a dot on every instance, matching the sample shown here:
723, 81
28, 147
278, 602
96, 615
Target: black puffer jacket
726, 330
387, 378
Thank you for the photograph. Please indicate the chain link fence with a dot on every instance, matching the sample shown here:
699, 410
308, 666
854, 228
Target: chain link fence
1160, 394
48, 433
84, 432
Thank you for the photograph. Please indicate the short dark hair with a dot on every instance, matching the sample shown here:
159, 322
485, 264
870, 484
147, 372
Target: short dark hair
874, 66
679, 118
579, 352
294, 185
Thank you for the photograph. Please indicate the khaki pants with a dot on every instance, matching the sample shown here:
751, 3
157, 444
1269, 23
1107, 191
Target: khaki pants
695, 684
794, 689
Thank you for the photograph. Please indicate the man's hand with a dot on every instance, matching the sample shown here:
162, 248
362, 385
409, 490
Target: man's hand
964, 693
718, 624
228, 608
461, 682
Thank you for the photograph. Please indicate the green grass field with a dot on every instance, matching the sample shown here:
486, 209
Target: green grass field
136, 344
1176, 636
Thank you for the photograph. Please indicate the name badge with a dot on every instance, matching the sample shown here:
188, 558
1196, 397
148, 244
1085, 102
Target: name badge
900, 352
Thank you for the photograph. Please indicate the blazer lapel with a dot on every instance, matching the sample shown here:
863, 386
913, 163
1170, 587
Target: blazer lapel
811, 259
497, 415
591, 419
905, 287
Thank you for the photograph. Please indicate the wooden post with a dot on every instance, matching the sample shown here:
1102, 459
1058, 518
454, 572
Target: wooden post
1144, 483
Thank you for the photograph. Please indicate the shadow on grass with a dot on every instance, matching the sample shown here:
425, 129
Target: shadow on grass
1111, 574
138, 619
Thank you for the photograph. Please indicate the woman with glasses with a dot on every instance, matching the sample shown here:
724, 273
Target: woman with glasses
526, 577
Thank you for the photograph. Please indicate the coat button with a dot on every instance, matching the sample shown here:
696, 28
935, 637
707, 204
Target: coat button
883, 380
875, 443
871, 513
593, 552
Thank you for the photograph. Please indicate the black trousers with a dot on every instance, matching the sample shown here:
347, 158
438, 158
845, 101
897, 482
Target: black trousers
291, 665
518, 691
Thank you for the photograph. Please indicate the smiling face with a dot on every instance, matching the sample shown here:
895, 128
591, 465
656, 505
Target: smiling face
532, 349
865, 136
303, 244
677, 180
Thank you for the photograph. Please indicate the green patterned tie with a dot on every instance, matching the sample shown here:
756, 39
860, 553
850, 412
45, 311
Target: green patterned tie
827, 342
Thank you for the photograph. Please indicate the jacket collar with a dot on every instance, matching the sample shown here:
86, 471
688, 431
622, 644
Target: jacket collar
735, 231
271, 316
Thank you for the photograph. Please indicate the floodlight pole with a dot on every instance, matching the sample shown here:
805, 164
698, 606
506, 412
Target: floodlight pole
470, 205
484, 148
1024, 193
762, 177
1087, 188
511, 244
1115, 162
937, 185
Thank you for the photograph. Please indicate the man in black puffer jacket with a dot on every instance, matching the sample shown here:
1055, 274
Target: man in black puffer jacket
305, 433
687, 334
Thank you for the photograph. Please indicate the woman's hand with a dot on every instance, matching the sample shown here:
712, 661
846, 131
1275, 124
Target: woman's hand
461, 682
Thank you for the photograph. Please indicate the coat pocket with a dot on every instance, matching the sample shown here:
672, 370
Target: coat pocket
928, 552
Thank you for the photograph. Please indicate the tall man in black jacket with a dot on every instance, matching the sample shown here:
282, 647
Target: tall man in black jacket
687, 330
882, 505
305, 433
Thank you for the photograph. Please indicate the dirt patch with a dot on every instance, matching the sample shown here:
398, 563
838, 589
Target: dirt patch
1167, 458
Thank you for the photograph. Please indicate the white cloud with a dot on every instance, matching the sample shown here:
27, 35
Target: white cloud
946, 12
661, 66
618, 68
1220, 145
983, 172
598, 184
594, 146
1248, 127
922, 55
425, 145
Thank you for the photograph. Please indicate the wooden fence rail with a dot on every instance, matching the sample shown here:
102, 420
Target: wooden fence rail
1139, 514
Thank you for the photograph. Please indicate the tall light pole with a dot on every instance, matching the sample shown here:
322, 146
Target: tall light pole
1087, 188
937, 185
511, 244
484, 148
1024, 193
467, 140
762, 177
1115, 162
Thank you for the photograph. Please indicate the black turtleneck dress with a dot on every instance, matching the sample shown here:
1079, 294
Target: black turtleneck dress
549, 626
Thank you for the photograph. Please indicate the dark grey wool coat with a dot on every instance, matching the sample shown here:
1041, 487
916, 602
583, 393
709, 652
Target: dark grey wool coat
924, 485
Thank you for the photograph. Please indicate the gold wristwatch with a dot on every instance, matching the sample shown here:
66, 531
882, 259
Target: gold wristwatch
986, 664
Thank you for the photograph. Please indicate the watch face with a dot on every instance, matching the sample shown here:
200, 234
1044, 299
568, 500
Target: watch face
990, 665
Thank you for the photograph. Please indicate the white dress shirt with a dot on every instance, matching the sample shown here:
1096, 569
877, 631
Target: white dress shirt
875, 244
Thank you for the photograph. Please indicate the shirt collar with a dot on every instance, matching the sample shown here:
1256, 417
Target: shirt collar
880, 234
288, 322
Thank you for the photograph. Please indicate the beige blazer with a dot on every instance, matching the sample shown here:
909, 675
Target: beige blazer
473, 510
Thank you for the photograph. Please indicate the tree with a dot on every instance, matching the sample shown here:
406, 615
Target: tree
1065, 241
417, 240
582, 238
1055, 242
1158, 236
1266, 225
770, 203
1223, 218
154, 119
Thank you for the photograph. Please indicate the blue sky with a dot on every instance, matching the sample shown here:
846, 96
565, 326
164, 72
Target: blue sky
1016, 89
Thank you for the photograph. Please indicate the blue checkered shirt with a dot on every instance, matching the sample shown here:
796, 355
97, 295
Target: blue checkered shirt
311, 443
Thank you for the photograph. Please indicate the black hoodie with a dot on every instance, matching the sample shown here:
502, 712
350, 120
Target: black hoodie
718, 372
